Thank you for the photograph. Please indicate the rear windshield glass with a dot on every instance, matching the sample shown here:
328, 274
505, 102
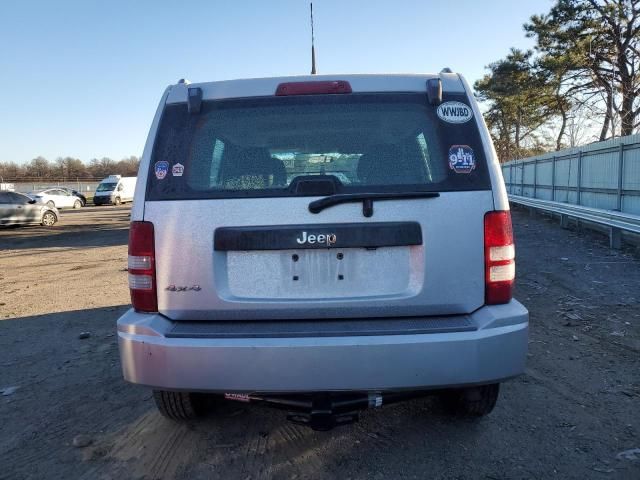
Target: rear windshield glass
258, 147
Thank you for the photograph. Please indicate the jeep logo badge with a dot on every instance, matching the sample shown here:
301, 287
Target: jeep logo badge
327, 239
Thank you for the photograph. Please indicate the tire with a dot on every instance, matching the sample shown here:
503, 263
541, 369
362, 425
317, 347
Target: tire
49, 219
117, 201
472, 401
180, 406
77, 204
50, 204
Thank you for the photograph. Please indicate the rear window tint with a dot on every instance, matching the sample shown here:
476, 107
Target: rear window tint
257, 147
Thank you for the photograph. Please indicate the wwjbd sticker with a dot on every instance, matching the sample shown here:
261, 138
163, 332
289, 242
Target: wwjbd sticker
454, 112
177, 170
461, 159
161, 169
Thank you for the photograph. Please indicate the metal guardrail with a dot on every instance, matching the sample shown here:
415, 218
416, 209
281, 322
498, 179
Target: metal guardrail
617, 222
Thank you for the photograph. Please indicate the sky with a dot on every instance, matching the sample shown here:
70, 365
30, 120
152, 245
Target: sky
83, 78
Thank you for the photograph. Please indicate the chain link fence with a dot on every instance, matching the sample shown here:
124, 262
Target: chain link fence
83, 186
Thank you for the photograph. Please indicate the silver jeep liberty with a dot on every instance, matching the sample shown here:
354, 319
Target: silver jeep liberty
323, 244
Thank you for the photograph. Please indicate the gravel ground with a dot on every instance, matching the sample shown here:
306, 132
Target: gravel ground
572, 415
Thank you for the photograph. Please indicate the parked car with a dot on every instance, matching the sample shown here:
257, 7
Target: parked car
260, 280
57, 197
76, 193
115, 190
19, 209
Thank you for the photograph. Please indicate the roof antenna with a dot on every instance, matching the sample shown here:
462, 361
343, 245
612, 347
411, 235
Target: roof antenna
313, 51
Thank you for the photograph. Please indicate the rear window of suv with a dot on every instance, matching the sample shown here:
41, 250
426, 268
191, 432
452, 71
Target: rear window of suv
256, 147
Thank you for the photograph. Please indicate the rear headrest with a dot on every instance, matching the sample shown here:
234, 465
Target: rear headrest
253, 162
388, 164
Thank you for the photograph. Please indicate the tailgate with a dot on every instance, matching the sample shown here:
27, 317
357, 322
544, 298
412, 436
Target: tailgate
418, 257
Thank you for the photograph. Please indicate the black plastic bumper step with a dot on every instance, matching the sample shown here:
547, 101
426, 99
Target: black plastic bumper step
319, 328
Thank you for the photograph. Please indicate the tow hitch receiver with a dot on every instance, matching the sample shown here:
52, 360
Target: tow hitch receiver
322, 422
323, 411
325, 414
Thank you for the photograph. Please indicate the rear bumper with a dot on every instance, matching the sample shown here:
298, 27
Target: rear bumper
494, 351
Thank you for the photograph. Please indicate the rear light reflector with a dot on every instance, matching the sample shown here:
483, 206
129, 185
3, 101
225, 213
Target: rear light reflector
499, 255
313, 88
141, 266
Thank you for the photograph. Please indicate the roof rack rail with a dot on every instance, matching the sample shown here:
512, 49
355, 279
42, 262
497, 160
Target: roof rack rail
446, 70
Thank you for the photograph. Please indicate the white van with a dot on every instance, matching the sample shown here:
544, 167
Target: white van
115, 190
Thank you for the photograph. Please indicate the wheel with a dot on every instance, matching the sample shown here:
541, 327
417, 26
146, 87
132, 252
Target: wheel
50, 204
180, 405
117, 201
77, 204
49, 219
472, 401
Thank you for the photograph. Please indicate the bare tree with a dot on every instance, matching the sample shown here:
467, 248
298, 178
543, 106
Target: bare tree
39, 167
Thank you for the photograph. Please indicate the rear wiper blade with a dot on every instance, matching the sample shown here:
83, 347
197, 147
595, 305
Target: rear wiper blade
366, 198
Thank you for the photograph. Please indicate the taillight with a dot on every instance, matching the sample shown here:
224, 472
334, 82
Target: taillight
142, 268
499, 257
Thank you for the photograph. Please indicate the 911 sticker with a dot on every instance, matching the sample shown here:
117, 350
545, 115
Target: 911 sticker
454, 112
177, 170
461, 159
161, 169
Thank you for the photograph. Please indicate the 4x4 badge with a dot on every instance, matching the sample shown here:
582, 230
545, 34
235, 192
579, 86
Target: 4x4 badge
183, 288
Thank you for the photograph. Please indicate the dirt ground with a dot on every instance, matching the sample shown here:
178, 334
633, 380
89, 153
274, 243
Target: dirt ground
574, 414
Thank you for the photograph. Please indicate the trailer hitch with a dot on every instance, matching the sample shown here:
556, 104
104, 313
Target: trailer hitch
323, 422
323, 411
326, 413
